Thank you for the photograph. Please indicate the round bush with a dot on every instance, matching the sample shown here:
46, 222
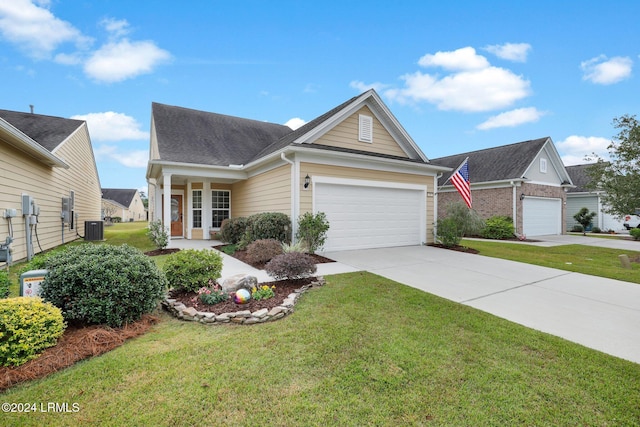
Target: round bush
498, 227
232, 230
263, 250
269, 225
103, 284
292, 265
190, 269
27, 327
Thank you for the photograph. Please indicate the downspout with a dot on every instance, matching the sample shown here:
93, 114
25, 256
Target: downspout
514, 206
294, 187
435, 207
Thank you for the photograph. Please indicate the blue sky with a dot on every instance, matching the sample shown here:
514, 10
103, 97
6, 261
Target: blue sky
458, 75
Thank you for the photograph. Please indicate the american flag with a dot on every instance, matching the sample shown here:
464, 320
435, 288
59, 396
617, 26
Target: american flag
460, 180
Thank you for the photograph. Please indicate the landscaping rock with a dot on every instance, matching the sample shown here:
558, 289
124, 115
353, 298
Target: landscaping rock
239, 281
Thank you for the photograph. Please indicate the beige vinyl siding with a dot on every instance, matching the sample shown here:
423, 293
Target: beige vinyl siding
345, 135
268, 192
154, 153
21, 174
136, 210
306, 196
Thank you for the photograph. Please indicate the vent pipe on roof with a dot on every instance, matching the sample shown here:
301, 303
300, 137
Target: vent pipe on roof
31, 108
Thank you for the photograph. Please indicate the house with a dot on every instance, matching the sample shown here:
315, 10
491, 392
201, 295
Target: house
583, 197
123, 203
49, 181
526, 181
356, 163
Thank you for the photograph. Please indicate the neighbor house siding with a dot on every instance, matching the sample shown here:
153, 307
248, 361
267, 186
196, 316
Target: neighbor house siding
345, 135
575, 203
21, 174
313, 169
267, 192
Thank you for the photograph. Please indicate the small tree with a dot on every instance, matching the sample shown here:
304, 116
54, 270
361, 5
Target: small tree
158, 234
584, 217
312, 229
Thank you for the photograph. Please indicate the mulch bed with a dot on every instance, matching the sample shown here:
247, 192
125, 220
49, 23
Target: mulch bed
242, 256
282, 290
77, 343
165, 251
457, 248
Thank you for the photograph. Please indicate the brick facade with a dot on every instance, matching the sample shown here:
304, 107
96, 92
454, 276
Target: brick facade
499, 201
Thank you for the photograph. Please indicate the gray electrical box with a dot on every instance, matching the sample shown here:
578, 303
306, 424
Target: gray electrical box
27, 205
66, 210
30, 282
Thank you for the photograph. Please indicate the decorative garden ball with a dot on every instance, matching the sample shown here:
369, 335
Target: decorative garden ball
242, 296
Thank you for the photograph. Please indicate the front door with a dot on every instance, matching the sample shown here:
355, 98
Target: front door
176, 215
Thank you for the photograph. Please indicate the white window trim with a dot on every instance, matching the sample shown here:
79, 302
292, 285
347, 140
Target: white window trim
211, 206
543, 165
193, 208
365, 128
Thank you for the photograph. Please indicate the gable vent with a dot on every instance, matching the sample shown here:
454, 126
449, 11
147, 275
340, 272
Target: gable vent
365, 128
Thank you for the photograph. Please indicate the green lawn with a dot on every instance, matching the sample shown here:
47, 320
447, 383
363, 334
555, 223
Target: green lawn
363, 350
590, 260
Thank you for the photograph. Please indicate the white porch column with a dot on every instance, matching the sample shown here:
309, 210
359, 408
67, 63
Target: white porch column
166, 214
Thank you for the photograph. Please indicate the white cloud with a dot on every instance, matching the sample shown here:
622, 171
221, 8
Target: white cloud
295, 123
465, 58
130, 159
112, 126
35, 29
363, 87
118, 61
512, 118
510, 51
474, 85
574, 149
32, 27
601, 70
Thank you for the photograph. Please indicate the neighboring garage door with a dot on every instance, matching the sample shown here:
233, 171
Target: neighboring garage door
541, 216
366, 214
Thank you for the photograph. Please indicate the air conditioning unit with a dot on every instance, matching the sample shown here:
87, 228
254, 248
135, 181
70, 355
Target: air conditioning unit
93, 230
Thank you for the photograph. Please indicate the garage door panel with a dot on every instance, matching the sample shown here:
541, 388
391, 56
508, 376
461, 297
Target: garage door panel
367, 217
542, 216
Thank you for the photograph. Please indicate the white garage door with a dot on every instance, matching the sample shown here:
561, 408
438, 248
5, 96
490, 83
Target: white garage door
363, 215
541, 216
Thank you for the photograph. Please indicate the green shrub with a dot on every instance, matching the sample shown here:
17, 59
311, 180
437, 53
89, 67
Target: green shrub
584, 218
191, 269
269, 225
449, 232
577, 229
102, 284
468, 221
263, 250
212, 295
232, 230
27, 327
498, 227
158, 234
312, 230
596, 230
292, 265
635, 233
4, 284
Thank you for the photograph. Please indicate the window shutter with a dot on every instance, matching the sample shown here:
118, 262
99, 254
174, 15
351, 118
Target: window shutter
365, 128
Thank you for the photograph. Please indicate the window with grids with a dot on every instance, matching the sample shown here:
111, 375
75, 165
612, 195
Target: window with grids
220, 207
196, 206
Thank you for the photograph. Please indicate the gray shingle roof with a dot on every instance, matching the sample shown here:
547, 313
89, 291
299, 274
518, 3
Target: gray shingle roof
121, 195
495, 164
48, 131
579, 177
193, 136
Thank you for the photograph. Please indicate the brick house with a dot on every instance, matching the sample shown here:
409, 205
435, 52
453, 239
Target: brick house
526, 181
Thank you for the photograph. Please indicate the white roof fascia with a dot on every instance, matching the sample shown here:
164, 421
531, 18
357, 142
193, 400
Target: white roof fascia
24, 143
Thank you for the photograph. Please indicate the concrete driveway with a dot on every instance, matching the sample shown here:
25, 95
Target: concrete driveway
599, 313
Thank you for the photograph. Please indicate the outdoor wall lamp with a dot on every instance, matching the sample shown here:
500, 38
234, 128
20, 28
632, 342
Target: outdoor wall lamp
522, 196
307, 181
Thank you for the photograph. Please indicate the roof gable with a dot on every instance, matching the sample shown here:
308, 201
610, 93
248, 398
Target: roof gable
120, 195
495, 164
48, 131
